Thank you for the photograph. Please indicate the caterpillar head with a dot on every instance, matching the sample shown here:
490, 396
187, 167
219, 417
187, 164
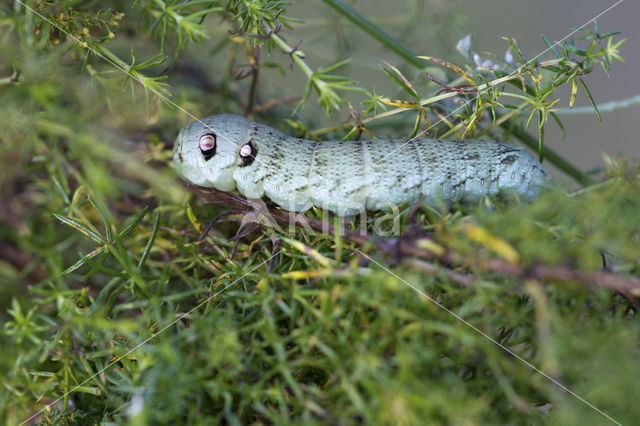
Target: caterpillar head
207, 151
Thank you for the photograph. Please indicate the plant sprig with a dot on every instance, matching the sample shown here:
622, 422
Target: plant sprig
184, 19
325, 84
536, 80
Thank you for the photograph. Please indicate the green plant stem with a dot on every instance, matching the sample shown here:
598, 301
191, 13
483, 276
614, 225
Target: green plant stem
148, 83
119, 63
295, 56
325, 89
606, 107
376, 32
13, 79
593, 188
411, 57
65, 402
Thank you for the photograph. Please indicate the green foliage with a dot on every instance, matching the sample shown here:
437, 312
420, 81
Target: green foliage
113, 312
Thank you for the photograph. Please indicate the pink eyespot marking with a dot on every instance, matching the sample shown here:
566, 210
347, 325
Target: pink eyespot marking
210, 170
244, 177
208, 146
207, 142
245, 151
513, 175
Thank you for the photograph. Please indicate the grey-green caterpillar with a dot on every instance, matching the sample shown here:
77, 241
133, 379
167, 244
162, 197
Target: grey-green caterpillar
228, 152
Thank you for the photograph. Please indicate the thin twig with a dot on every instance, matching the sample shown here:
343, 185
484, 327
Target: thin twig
410, 246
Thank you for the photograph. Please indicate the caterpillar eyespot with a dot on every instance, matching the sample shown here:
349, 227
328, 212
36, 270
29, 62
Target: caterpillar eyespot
207, 145
247, 154
245, 151
346, 177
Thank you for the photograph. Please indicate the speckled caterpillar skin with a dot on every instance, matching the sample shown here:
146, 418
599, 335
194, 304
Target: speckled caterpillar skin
347, 177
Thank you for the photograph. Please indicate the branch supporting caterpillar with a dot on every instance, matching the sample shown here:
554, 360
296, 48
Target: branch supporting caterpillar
229, 152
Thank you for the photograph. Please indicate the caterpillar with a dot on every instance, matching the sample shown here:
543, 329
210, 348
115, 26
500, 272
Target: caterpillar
229, 152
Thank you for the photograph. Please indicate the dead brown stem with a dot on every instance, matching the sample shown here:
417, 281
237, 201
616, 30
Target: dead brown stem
406, 247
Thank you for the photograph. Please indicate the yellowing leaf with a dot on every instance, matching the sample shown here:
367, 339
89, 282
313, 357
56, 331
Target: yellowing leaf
193, 219
400, 103
310, 274
574, 92
496, 244
433, 247
263, 285
449, 65
312, 253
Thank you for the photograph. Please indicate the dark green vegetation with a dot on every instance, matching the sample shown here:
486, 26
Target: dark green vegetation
99, 255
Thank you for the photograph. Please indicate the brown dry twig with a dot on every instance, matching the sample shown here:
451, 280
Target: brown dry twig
465, 88
411, 246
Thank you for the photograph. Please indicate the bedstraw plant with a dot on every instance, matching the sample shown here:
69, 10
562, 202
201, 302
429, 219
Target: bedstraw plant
113, 311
